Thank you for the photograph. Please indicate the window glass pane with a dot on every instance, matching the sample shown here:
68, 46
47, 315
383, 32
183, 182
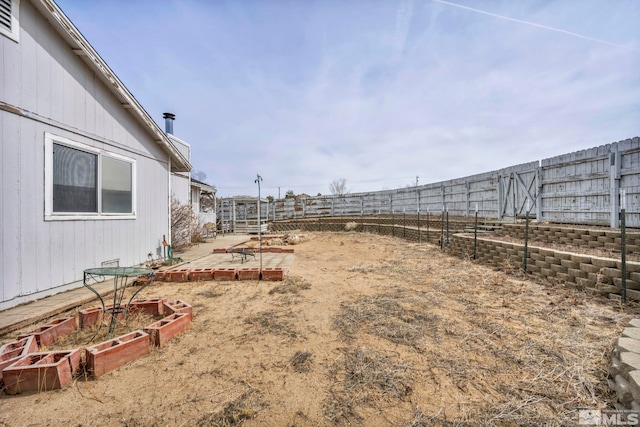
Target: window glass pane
117, 189
74, 180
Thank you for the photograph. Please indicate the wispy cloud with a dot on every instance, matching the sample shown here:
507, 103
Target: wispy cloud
533, 24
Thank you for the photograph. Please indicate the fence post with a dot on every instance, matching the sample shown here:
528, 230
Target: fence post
623, 242
614, 185
475, 235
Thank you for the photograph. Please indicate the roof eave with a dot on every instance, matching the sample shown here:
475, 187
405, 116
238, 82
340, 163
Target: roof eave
82, 48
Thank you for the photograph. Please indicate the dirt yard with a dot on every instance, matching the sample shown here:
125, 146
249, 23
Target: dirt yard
366, 330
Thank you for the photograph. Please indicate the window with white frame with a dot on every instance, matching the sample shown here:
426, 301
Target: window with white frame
85, 182
9, 12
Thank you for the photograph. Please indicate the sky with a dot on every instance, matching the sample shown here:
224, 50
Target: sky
376, 92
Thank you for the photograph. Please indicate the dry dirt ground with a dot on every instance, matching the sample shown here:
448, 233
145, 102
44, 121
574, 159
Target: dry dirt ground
366, 330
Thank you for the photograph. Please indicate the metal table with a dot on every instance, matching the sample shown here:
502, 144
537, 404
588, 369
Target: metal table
121, 277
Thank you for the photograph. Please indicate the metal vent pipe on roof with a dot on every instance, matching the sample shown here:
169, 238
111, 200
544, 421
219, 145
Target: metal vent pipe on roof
168, 122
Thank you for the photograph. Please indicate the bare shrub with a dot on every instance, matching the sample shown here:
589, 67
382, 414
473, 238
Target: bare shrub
185, 229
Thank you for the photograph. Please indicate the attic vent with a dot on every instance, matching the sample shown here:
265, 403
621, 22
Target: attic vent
5, 14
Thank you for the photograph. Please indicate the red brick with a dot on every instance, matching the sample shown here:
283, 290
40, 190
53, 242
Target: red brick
13, 351
152, 306
272, 274
41, 371
112, 354
178, 306
159, 276
164, 330
198, 274
52, 331
220, 250
287, 250
275, 250
179, 275
249, 273
225, 274
89, 317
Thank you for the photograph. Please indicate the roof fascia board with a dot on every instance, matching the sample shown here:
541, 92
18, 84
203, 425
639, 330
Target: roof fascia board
77, 41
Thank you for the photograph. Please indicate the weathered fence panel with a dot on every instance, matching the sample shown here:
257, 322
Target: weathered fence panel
583, 187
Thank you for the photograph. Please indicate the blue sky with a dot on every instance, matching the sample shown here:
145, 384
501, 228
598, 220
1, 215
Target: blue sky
376, 92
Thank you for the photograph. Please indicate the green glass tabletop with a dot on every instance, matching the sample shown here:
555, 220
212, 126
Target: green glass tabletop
118, 271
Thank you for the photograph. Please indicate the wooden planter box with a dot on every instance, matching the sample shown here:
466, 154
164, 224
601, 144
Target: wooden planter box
152, 306
273, 274
41, 371
13, 351
112, 354
52, 331
164, 330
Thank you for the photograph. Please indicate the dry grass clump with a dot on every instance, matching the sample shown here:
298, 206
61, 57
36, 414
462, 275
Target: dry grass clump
384, 316
100, 332
210, 293
364, 377
235, 412
301, 361
273, 322
291, 285
351, 226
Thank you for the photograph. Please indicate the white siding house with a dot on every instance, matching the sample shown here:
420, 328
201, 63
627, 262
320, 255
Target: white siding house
85, 173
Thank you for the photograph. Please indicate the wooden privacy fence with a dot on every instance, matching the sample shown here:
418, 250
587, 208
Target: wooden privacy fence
583, 187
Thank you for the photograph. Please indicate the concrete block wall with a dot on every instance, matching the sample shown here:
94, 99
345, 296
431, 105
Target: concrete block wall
594, 274
577, 236
624, 373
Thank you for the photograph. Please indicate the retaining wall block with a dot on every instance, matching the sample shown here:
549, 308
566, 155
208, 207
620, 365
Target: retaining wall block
164, 330
13, 351
179, 306
89, 317
273, 274
199, 274
52, 331
225, 274
249, 273
112, 354
41, 371
152, 306
634, 384
632, 267
178, 275
629, 361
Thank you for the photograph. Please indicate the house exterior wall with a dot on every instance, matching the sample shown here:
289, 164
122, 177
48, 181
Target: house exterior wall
46, 88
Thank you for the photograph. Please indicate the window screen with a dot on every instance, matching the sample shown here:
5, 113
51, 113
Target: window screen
74, 180
116, 186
